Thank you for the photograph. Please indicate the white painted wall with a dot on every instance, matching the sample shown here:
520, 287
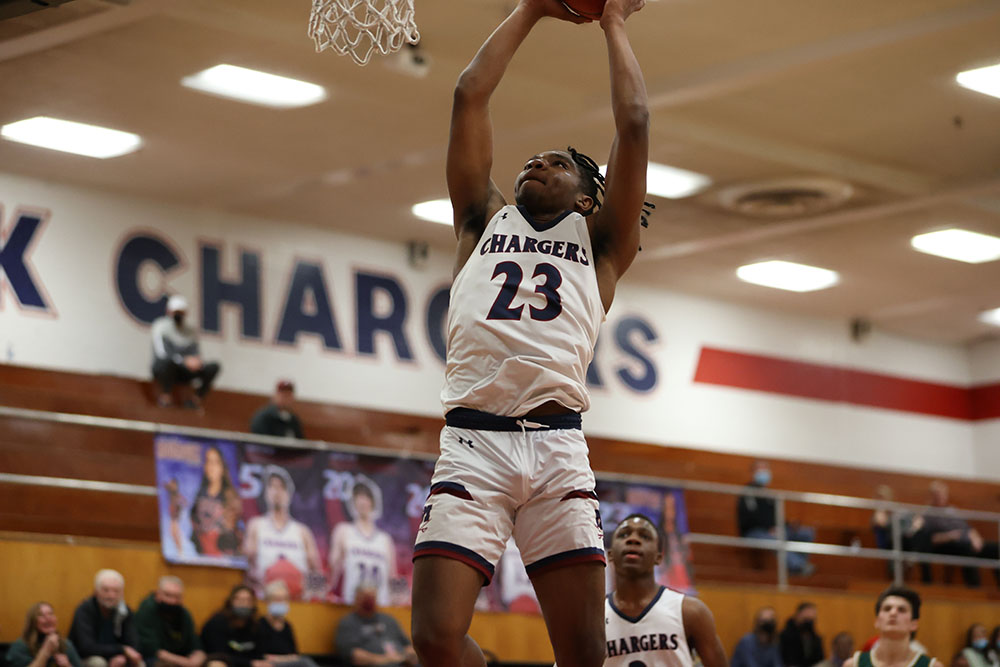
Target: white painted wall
88, 330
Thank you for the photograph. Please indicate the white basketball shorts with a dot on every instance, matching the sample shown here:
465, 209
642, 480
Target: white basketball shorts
499, 476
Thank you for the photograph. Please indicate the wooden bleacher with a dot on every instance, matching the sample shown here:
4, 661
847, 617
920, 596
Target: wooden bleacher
733, 579
62, 450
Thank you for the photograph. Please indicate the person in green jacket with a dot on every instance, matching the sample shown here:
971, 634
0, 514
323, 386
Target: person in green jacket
40, 644
896, 618
167, 636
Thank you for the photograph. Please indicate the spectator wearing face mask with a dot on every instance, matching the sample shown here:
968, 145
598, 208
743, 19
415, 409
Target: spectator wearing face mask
167, 637
759, 647
366, 636
755, 518
274, 632
801, 646
977, 647
230, 637
177, 357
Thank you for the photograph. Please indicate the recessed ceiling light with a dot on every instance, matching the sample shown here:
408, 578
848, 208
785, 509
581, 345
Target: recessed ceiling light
788, 276
671, 182
990, 317
71, 137
959, 244
250, 85
984, 80
435, 210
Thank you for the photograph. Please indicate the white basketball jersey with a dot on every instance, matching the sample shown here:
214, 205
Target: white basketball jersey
655, 638
274, 544
523, 318
367, 559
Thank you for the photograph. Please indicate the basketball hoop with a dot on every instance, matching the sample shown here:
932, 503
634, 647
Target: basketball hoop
359, 27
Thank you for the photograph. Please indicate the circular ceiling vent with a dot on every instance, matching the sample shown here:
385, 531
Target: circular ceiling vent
785, 197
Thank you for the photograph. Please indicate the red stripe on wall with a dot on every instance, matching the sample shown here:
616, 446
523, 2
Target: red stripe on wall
845, 385
985, 401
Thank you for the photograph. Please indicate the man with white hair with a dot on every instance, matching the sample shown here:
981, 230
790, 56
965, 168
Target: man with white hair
167, 636
177, 358
103, 628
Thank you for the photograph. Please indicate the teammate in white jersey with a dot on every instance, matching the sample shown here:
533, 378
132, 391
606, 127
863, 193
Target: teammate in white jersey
277, 546
649, 625
532, 284
362, 553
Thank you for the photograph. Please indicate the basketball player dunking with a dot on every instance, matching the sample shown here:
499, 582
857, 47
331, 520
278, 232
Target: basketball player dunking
532, 284
649, 625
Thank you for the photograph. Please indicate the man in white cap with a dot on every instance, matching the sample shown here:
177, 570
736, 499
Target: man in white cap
176, 358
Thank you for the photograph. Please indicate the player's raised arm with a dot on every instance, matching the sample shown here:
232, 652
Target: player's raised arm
474, 197
614, 229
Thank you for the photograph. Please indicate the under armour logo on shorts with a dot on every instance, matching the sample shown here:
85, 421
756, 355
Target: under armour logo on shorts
466, 442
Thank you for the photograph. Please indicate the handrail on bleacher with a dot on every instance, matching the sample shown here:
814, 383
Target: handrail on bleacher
781, 545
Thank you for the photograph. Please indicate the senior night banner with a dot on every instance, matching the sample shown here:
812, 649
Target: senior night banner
327, 522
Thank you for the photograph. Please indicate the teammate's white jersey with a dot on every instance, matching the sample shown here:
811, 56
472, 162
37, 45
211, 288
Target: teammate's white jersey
368, 559
274, 544
655, 638
523, 318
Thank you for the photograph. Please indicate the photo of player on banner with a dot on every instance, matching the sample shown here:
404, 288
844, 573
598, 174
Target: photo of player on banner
373, 507
281, 504
201, 516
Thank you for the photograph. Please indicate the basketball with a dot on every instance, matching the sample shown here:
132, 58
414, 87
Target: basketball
590, 9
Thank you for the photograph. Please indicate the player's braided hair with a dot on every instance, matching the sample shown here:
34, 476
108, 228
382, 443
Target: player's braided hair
593, 185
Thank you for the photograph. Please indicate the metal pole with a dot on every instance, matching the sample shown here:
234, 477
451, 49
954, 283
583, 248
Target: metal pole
897, 550
781, 534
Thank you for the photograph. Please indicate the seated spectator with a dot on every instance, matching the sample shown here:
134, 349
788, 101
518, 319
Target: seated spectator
995, 644
277, 641
167, 637
176, 357
801, 646
276, 418
368, 637
103, 629
755, 518
977, 647
954, 536
40, 644
841, 649
230, 636
909, 523
759, 647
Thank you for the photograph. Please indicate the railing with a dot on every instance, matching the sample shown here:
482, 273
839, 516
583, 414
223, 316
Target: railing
780, 545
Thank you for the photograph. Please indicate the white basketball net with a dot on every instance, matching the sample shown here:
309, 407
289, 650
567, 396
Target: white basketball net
359, 27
